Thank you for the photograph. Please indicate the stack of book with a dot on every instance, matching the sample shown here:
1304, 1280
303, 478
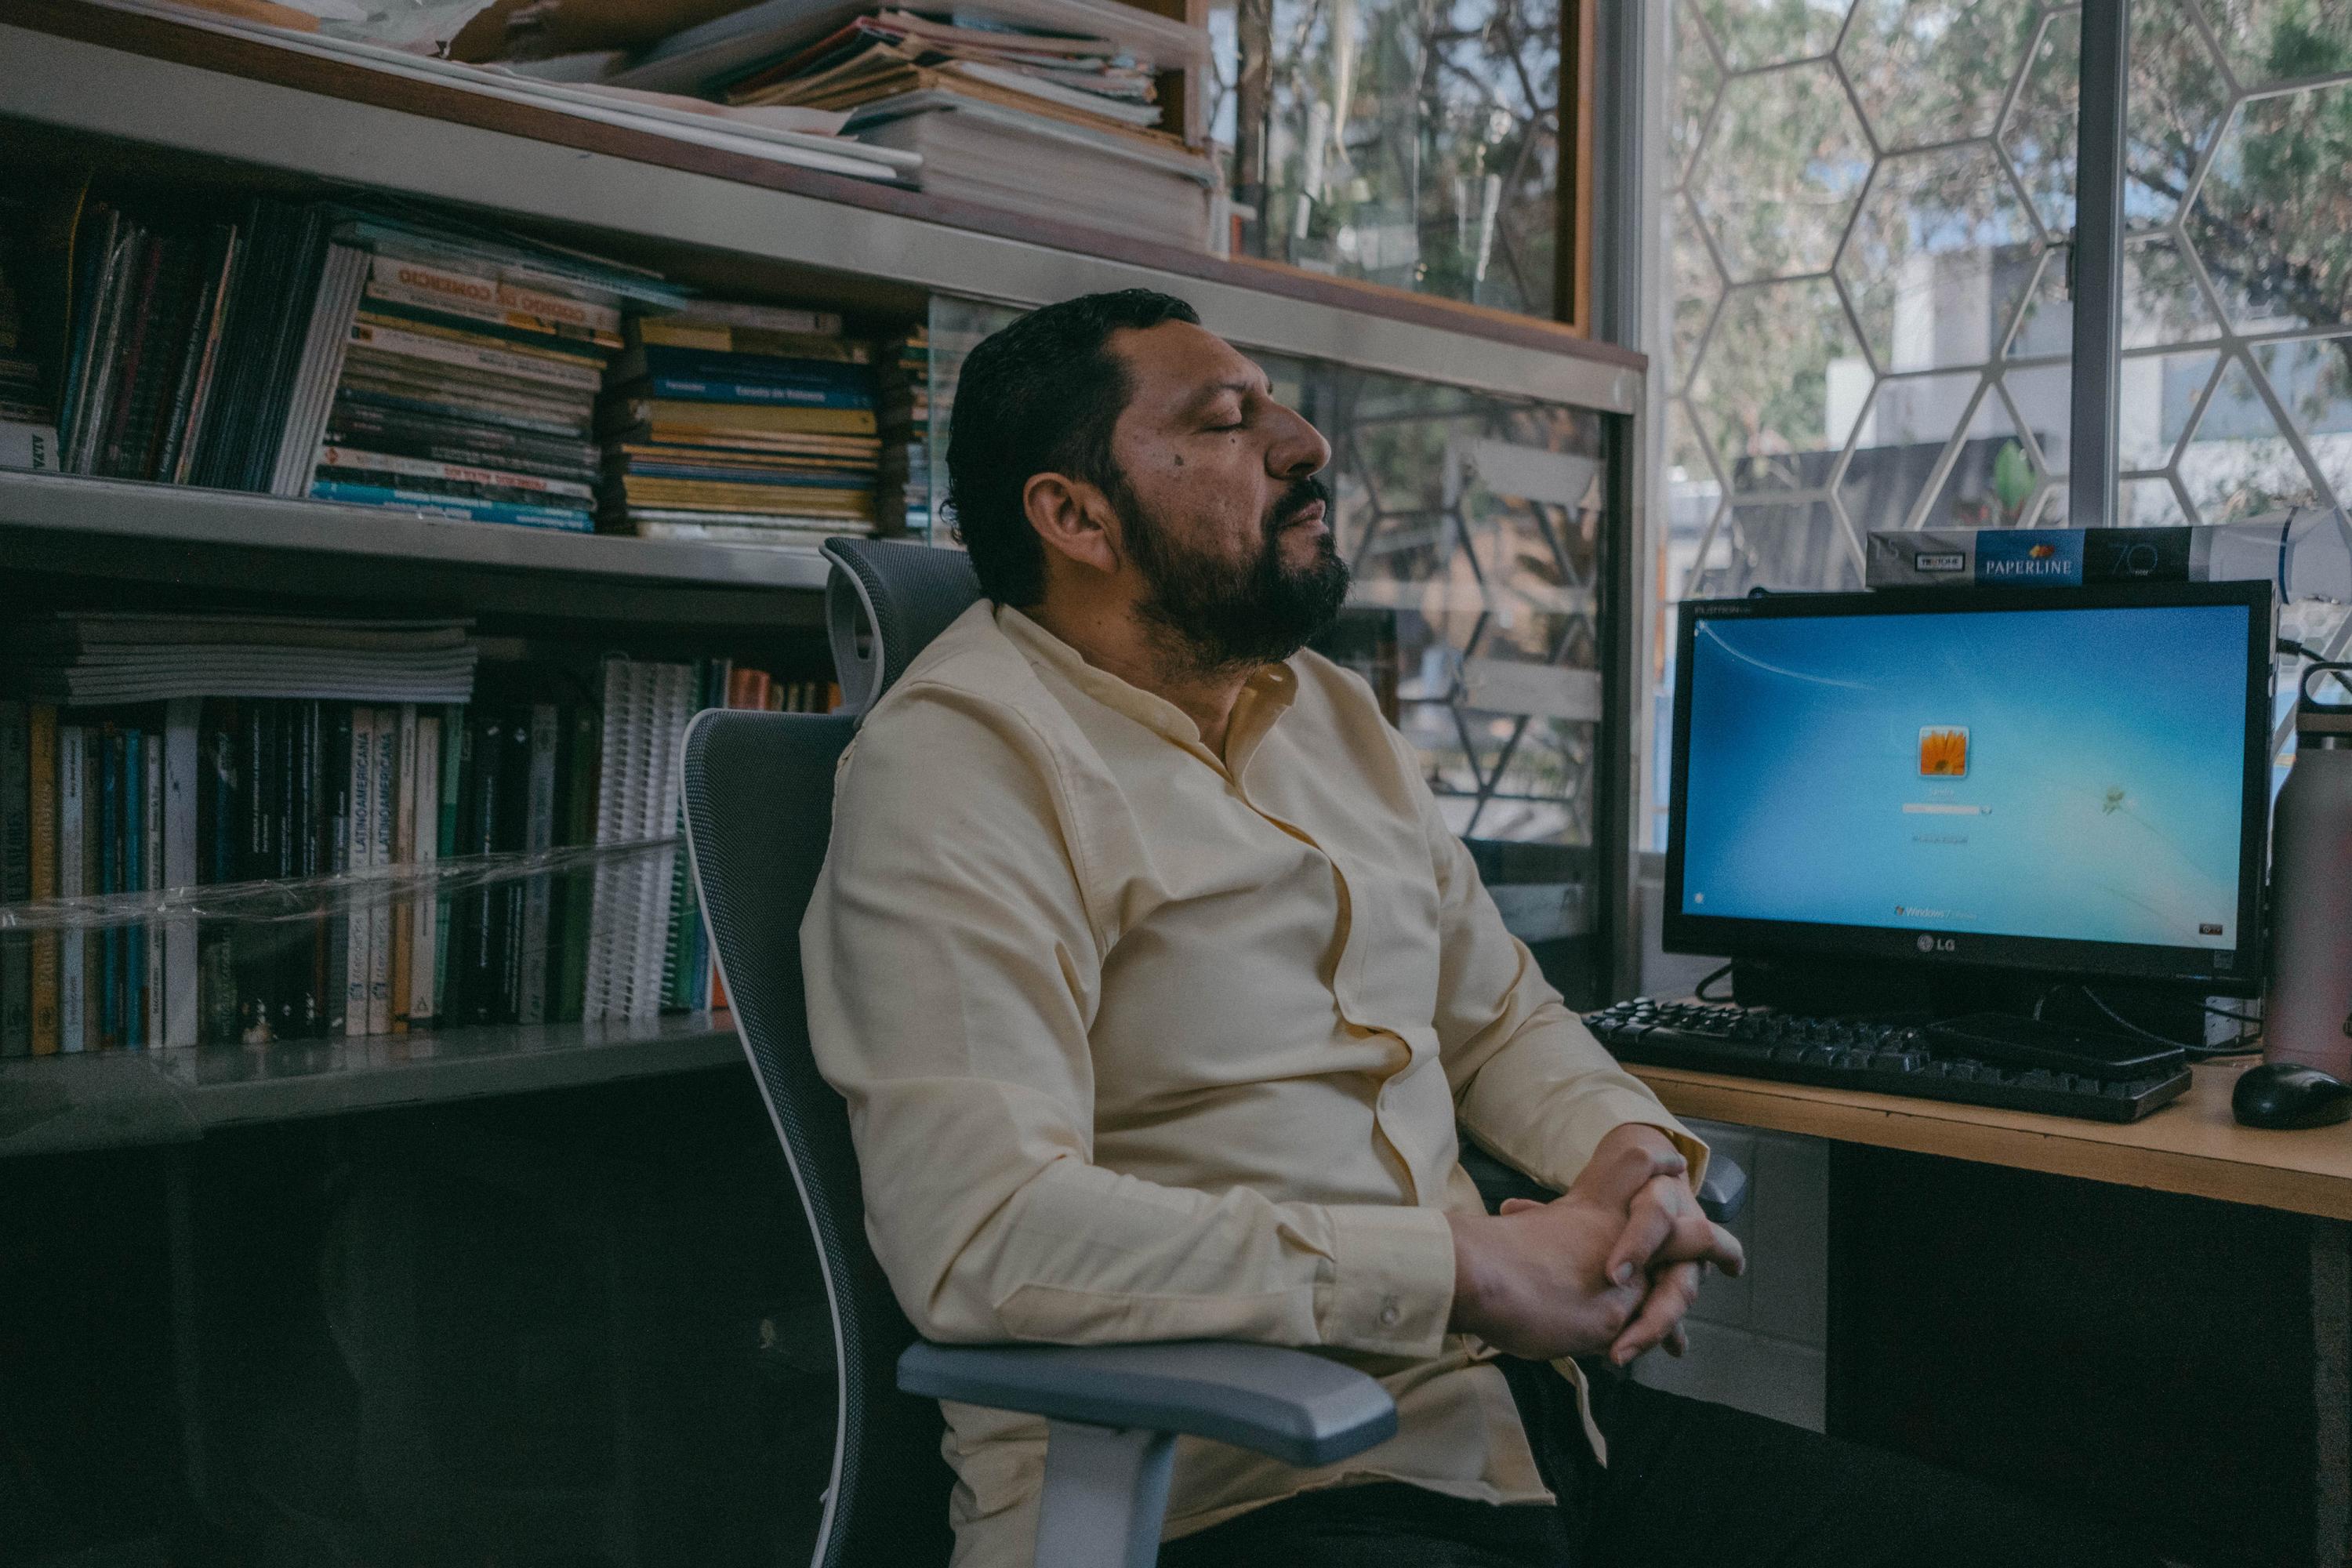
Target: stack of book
740, 424
905, 378
1048, 108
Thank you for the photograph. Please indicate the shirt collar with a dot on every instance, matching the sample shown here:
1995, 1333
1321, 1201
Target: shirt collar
1265, 696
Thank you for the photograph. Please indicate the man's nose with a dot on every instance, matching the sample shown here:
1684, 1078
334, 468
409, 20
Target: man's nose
1298, 449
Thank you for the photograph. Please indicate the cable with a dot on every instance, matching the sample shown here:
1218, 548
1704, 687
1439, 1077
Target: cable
1699, 990
2201, 1052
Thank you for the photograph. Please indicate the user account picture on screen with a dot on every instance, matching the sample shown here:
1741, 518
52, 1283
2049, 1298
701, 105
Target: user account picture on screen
2062, 773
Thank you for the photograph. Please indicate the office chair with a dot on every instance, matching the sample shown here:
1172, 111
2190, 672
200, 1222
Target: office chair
1113, 1412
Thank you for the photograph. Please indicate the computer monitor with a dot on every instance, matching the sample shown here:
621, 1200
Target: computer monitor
2072, 780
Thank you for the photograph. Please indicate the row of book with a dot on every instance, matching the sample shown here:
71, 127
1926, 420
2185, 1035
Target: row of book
379, 869
374, 358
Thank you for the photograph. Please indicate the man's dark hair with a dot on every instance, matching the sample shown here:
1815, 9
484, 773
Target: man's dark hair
1040, 397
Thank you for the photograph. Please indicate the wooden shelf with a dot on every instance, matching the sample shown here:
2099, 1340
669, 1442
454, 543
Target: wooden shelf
113, 1099
232, 539
161, 85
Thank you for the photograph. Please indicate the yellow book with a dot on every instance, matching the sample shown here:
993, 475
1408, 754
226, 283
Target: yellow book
666, 420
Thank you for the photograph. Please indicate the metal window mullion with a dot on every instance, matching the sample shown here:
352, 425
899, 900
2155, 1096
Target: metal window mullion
2105, 68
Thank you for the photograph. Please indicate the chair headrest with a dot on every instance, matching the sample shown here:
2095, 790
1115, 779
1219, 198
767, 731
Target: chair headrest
884, 603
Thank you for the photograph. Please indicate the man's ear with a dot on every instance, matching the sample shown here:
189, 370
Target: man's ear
1075, 519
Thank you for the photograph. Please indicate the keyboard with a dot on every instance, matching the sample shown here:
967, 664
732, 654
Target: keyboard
1882, 1058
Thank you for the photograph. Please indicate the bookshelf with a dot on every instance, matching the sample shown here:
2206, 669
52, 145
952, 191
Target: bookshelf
229, 1143
127, 1100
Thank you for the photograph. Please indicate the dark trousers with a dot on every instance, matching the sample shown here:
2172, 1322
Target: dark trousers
1687, 1483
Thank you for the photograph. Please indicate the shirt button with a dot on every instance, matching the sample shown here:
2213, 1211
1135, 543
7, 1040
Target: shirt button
1390, 1312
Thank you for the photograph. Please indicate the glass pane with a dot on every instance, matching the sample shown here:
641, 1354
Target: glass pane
1934, 70
1780, 171
2269, 221
2043, 399
2162, 301
2282, 40
2237, 464
2156, 395
1416, 145
2314, 383
1792, 548
2039, 135
1942, 256
1993, 480
2176, 98
1765, 391
1693, 85
2149, 503
1767, 32
1899, 445
1699, 285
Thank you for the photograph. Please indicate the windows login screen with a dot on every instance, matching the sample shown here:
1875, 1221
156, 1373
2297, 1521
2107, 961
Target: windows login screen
2060, 772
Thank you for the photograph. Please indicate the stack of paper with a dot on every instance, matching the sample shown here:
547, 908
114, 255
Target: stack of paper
155, 657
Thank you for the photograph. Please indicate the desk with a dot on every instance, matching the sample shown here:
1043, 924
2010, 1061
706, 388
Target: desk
2226, 1331
2191, 1146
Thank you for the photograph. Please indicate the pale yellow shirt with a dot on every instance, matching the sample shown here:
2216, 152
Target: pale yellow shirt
1144, 1043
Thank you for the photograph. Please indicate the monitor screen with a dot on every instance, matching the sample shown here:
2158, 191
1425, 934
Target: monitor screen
2053, 779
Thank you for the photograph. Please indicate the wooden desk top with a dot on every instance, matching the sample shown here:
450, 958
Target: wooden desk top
2191, 1146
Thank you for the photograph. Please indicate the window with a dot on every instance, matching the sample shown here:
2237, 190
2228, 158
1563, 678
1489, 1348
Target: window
1868, 208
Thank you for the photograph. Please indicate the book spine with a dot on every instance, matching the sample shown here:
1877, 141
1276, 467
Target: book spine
697, 389
469, 294
289, 966
569, 520
425, 912
609, 900
360, 937
110, 881
579, 376
24, 445
232, 253
320, 983
335, 861
16, 875
458, 411
73, 950
539, 838
512, 837
403, 855
354, 459
453, 763
701, 364
384, 805
579, 827
217, 828
182, 785
316, 372
41, 796
153, 981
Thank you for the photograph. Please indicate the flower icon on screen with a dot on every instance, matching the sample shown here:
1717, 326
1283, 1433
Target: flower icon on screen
1944, 751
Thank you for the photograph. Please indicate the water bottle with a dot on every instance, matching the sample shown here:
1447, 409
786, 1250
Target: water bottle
2307, 1009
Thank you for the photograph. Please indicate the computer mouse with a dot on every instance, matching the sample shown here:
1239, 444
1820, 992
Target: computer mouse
2284, 1094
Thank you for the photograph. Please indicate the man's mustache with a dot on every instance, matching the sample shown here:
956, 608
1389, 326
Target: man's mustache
1302, 494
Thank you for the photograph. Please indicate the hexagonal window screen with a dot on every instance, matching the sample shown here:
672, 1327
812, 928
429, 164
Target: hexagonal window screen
2313, 378
1942, 256
1934, 70
2043, 399
1794, 545
1755, 33
1699, 285
1780, 171
2237, 463
2282, 40
1763, 388
2269, 221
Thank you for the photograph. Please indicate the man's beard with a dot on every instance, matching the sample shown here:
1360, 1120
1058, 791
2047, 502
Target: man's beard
1216, 614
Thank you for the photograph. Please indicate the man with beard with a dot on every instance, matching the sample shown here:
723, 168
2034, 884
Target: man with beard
1156, 985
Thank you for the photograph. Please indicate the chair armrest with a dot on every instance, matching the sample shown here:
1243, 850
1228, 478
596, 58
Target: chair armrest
1721, 1195
1293, 1405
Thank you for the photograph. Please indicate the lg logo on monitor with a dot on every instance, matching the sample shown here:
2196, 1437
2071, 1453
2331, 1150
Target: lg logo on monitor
1934, 943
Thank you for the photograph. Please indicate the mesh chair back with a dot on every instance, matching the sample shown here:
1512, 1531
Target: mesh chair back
759, 811
883, 604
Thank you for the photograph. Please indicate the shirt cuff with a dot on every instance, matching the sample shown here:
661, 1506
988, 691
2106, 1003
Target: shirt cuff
1391, 1285
1602, 1113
